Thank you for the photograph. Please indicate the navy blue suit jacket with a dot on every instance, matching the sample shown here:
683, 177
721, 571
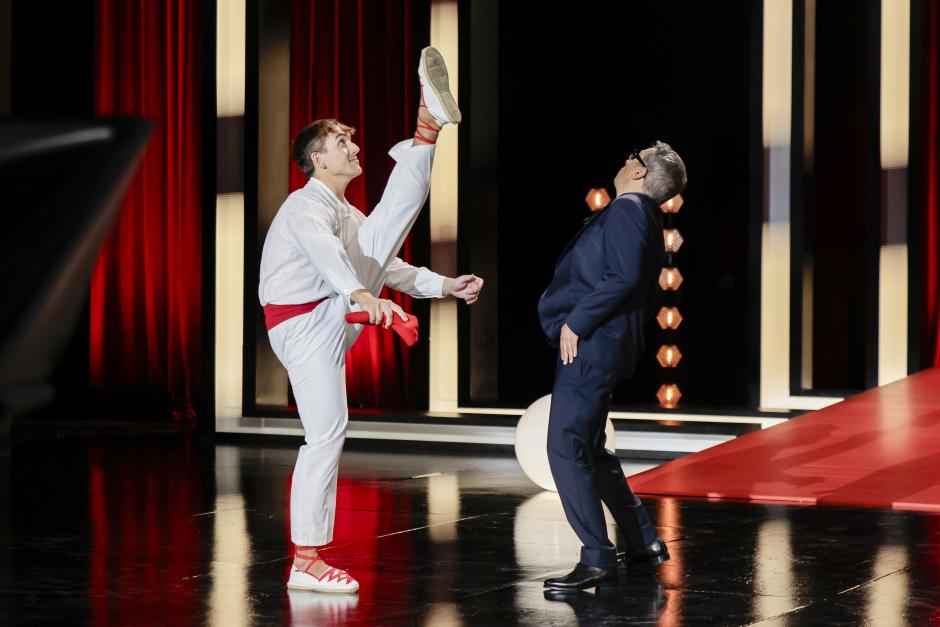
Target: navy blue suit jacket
605, 284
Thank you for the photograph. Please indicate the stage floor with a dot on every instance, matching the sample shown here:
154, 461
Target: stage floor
155, 530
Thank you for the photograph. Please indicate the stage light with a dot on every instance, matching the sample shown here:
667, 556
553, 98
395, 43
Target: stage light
669, 395
669, 318
668, 356
670, 279
673, 240
597, 198
672, 205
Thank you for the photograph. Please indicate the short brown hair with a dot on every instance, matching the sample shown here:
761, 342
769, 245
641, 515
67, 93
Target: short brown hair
312, 138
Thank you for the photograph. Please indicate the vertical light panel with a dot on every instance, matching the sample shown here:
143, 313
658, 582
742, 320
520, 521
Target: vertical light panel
230, 58
895, 125
230, 218
229, 303
809, 158
777, 112
775, 232
443, 331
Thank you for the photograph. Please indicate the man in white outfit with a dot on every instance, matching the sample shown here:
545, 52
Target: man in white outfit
323, 258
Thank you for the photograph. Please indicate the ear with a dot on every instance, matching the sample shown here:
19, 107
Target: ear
317, 160
639, 173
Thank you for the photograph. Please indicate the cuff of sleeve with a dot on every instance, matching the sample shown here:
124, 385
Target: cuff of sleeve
431, 285
348, 290
575, 325
406, 146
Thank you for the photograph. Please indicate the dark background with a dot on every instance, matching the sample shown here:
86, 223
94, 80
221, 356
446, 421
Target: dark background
577, 91
52, 75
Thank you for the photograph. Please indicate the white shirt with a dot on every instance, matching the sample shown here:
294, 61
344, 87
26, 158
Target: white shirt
304, 258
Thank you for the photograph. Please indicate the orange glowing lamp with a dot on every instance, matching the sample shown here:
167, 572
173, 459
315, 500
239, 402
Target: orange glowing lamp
597, 198
672, 205
670, 279
668, 356
669, 318
672, 239
668, 395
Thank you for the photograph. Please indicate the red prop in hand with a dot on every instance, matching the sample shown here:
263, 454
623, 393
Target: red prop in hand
407, 330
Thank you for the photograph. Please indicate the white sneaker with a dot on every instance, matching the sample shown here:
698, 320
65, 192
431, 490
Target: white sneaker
333, 580
435, 88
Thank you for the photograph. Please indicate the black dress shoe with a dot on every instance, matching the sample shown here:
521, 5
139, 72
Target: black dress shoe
647, 557
582, 577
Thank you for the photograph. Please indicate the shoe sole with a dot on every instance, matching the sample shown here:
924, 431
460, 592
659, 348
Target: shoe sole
646, 564
436, 71
294, 586
603, 582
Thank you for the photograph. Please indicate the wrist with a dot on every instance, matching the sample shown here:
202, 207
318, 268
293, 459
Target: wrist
448, 285
359, 296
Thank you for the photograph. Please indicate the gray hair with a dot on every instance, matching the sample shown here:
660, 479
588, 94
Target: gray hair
665, 176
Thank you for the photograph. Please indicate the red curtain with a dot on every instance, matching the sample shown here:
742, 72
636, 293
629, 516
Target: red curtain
931, 212
146, 288
360, 66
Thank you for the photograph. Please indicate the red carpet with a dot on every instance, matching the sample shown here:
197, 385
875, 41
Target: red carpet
880, 449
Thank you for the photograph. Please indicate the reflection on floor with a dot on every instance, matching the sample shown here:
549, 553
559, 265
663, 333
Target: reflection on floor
136, 531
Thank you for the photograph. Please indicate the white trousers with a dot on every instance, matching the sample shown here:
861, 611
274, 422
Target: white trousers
312, 347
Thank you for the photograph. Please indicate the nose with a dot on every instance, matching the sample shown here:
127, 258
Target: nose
355, 149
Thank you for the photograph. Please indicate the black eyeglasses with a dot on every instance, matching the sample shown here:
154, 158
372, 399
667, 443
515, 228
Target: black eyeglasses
636, 155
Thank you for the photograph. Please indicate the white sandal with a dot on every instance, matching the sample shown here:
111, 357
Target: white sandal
435, 88
333, 580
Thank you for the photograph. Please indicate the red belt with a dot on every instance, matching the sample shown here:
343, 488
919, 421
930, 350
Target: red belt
276, 314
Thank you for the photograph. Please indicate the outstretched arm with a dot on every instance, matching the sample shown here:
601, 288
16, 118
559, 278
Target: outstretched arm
423, 283
414, 281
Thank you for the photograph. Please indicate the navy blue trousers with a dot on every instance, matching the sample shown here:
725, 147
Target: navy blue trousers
585, 472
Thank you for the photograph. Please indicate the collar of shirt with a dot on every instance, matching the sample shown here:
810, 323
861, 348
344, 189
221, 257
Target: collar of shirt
316, 185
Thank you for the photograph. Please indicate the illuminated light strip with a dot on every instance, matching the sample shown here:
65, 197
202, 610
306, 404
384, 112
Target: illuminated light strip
444, 346
230, 58
229, 303
776, 116
895, 129
230, 219
670, 280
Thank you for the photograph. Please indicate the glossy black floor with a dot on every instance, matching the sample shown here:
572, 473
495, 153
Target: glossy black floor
158, 530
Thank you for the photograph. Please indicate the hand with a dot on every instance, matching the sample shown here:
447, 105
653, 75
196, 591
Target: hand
568, 343
466, 287
380, 310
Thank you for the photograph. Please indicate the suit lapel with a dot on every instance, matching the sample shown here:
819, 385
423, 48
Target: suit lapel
574, 239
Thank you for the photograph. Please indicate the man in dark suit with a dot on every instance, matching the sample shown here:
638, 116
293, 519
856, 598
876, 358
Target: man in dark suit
595, 310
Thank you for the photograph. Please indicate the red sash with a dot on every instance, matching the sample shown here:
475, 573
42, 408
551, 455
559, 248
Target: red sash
276, 314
